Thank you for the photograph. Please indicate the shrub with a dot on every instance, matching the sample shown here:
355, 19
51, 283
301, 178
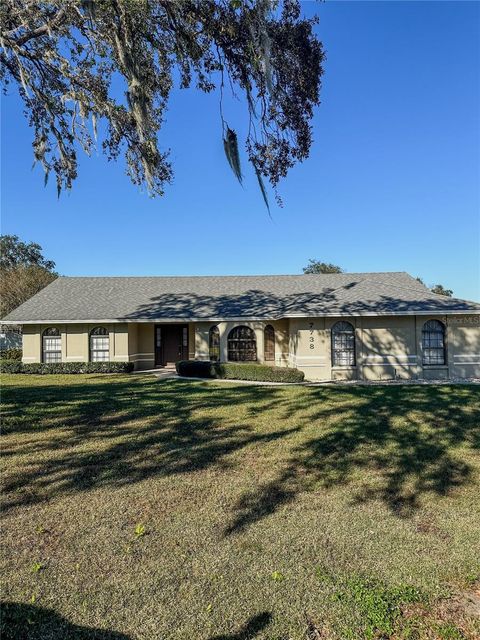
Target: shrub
14, 353
258, 372
235, 371
10, 366
196, 368
41, 368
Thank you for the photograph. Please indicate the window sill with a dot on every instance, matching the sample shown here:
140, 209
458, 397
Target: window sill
344, 367
435, 366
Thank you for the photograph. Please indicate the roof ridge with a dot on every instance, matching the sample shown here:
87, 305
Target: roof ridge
258, 275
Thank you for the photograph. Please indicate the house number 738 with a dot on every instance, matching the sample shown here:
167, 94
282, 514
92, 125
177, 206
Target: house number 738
311, 338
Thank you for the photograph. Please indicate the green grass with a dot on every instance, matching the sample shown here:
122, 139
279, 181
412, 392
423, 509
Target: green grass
139, 509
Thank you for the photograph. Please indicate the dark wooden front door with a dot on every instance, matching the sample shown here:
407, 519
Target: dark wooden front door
171, 343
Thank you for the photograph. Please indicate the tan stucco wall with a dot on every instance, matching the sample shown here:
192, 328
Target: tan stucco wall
310, 347
463, 346
75, 347
282, 343
141, 347
75, 343
191, 341
387, 347
200, 330
119, 343
31, 343
132, 341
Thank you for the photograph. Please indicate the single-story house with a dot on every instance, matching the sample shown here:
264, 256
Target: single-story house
365, 326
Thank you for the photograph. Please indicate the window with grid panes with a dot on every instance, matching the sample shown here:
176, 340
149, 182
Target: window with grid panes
99, 345
242, 345
343, 344
433, 342
51, 345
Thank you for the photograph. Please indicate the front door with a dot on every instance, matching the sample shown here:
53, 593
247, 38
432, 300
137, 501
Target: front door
171, 343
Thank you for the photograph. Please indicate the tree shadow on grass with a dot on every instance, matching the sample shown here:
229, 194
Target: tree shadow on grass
395, 444
398, 443
250, 629
30, 622
119, 433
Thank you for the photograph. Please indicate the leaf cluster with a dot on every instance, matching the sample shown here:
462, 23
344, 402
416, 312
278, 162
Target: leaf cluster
315, 266
24, 271
77, 63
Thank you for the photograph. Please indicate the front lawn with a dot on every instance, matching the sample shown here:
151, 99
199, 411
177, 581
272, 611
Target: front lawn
139, 509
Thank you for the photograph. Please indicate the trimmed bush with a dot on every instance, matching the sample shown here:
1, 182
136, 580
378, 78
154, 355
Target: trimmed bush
14, 353
196, 369
258, 372
10, 366
236, 371
41, 368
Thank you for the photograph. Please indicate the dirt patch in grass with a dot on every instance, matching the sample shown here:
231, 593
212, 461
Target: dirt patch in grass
134, 509
454, 618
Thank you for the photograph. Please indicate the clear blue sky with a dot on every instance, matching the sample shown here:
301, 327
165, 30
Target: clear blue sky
392, 183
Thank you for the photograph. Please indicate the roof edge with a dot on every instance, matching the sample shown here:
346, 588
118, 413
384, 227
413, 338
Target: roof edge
430, 312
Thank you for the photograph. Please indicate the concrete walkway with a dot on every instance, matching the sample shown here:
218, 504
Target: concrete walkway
162, 374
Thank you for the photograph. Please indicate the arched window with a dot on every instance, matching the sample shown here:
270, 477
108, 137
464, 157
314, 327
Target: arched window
343, 344
99, 345
214, 344
51, 345
242, 346
269, 343
433, 342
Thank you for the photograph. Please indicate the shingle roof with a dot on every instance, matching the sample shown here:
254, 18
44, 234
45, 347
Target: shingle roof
233, 297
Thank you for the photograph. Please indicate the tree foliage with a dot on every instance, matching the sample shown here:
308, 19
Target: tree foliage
24, 271
315, 266
65, 57
15, 253
439, 289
